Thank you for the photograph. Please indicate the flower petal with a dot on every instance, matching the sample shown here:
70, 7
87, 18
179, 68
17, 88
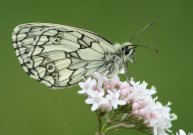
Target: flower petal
94, 107
82, 91
121, 102
89, 101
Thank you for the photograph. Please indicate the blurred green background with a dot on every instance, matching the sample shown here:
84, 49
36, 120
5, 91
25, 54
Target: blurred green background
30, 108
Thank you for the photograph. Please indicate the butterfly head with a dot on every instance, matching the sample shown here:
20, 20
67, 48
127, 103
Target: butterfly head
128, 50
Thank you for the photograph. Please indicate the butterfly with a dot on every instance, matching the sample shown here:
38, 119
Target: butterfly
61, 56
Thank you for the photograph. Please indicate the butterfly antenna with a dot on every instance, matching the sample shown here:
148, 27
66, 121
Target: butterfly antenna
141, 31
149, 47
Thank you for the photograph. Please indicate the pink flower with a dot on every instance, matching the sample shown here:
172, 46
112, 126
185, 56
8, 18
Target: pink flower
107, 94
112, 84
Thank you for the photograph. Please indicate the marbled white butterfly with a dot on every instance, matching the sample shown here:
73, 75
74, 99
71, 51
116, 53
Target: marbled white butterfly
61, 56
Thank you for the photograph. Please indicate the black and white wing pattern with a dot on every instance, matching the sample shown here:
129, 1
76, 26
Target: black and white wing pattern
60, 56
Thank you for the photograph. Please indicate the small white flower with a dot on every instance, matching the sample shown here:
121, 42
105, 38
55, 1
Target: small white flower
101, 79
113, 97
96, 99
87, 85
182, 132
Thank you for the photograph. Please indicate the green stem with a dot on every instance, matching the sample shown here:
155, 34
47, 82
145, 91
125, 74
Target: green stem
99, 131
124, 117
108, 121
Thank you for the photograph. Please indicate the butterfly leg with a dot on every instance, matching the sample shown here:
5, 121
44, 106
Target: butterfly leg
127, 73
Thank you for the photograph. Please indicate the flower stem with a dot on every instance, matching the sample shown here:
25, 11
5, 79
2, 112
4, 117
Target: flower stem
99, 124
108, 121
99, 132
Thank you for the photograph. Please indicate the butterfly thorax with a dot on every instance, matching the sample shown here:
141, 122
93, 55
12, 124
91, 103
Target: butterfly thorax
114, 64
124, 54
116, 61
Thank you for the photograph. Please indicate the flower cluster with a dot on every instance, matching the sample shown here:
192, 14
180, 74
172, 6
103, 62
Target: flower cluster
102, 93
131, 99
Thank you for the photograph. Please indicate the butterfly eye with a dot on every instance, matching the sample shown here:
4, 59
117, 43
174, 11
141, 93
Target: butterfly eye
50, 67
126, 51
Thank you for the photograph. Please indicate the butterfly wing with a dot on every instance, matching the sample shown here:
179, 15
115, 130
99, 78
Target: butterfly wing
59, 56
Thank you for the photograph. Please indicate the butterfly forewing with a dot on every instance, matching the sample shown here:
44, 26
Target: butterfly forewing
59, 56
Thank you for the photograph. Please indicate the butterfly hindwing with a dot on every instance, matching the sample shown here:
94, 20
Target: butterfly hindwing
59, 56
